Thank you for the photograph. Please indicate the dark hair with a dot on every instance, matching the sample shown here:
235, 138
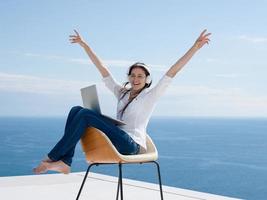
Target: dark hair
125, 90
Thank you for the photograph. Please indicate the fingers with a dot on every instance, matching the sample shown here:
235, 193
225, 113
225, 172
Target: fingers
203, 35
206, 35
206, 41
203, 32
76, 32
203, 38
75, 38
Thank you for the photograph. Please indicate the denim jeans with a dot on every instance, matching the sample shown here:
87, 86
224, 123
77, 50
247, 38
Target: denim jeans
78, 120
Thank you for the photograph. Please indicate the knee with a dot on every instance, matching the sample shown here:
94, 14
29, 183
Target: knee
86, 112
76, 108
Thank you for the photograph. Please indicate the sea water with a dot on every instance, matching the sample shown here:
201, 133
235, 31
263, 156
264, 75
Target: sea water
224, 156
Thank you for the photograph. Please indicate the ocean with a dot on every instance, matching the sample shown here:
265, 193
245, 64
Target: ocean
224, 156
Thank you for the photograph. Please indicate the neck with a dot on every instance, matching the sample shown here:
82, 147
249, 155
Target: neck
134, 92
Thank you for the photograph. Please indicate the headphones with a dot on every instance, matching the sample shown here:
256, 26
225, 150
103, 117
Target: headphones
148, 79
145, 67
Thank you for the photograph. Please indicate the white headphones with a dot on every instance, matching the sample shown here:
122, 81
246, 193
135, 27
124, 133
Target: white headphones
138, 64
148, 79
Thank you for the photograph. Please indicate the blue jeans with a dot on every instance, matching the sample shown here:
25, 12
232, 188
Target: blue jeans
78, 120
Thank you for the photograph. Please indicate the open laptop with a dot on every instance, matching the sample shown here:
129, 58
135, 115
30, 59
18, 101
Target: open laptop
90, 101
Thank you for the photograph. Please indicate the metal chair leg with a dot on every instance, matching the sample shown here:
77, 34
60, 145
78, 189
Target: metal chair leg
84, 179
159, 177
120, 180
118, 188
120, 185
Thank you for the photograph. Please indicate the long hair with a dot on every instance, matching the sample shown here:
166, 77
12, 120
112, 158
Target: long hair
125, 90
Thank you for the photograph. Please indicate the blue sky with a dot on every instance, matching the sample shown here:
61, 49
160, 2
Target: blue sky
41, 72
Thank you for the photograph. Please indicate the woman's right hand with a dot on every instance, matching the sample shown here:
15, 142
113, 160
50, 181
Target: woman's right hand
77, 39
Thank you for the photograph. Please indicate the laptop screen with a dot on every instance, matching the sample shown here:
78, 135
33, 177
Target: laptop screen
90, 98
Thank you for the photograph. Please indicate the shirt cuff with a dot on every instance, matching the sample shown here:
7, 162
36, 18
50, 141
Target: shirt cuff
107, 78
168, 77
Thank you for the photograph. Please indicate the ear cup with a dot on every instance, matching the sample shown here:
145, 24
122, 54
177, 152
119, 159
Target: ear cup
148, 79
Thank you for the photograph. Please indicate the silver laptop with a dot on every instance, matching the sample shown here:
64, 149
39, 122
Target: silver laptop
90, 101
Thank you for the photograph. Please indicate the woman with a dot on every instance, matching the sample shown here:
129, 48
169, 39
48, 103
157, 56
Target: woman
135, 106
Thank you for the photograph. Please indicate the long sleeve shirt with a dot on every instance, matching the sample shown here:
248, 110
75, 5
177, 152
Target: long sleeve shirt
137, 114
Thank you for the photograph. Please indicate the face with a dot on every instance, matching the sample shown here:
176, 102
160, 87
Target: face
137, 79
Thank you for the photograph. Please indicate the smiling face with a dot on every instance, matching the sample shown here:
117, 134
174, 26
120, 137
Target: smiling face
137, 78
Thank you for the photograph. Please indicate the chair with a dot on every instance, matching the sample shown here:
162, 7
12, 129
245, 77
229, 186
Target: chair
99, 150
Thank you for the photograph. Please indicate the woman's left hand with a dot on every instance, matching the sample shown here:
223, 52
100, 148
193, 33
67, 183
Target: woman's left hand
202, 39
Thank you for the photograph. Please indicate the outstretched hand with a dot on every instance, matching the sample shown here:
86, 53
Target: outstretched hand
202, 39
76, 38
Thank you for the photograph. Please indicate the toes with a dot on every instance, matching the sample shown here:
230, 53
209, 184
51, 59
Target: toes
40, 169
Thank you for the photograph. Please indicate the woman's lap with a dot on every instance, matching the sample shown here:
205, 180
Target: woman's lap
120, 139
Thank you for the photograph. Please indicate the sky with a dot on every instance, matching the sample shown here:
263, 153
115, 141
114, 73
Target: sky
41, 72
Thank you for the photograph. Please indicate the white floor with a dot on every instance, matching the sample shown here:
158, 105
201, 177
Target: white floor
97, 187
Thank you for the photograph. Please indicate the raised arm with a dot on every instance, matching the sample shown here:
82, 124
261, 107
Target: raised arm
200, 42
78, 39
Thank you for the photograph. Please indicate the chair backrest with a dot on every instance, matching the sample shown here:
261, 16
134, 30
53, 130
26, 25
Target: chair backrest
99, 149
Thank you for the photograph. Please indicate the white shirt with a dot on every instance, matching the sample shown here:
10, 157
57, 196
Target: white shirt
137, 114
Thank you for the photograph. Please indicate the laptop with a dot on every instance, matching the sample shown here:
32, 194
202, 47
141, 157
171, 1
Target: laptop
90, 101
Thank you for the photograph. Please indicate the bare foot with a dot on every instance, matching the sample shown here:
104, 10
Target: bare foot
41, 168
58, 166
